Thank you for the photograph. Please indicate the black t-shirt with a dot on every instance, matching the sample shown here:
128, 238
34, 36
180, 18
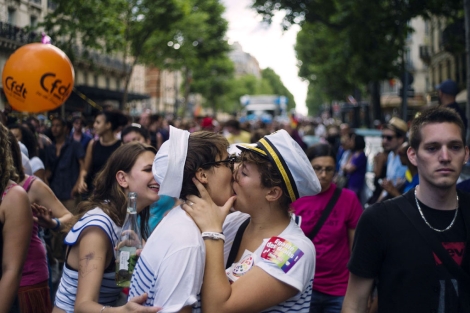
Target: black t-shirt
411, 278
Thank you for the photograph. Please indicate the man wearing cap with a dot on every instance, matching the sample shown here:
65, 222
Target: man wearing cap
448, 90
393, 136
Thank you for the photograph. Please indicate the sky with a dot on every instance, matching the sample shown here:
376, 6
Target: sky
269, 44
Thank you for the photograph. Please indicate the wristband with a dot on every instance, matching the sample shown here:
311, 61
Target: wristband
213, 236
57, 227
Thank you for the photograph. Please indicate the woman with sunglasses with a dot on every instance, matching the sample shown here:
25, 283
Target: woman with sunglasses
171, 266
267, 263
333, 241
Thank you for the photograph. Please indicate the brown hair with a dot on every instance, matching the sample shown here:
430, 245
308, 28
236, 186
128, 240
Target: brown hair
203, 147
18, 169
7, 171
270, 176
433, 116
108, 194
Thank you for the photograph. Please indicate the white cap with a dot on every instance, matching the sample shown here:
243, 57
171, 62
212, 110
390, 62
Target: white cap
168, 165
291, 162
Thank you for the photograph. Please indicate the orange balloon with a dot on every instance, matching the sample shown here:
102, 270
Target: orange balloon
37, 77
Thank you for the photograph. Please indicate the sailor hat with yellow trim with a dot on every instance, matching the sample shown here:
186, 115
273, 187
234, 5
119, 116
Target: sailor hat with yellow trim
291, 162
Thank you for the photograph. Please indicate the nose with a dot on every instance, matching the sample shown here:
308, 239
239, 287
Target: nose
445, 155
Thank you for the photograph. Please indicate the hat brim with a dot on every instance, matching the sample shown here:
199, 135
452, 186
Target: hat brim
253, 148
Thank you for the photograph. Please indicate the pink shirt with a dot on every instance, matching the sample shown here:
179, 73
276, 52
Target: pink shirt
35, 267
331, 242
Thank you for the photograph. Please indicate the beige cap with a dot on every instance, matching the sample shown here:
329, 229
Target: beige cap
399, 124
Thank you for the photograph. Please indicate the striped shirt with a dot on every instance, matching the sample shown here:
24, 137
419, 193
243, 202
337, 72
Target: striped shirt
109, 291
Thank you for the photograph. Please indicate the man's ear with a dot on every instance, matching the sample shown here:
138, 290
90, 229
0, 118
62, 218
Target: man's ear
201, 176
274, 194
411, 153
121, 178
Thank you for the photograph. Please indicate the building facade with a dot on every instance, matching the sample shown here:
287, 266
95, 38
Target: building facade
99, 79
245, 63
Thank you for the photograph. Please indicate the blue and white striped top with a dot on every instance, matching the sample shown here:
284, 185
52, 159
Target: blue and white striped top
109, 291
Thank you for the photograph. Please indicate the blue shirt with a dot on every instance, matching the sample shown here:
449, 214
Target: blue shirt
65, 168
395, 170
83, 141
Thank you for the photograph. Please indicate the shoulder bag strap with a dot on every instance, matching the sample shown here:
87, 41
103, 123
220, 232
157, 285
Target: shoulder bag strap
329, 207
236, 243
411, 213
462, 276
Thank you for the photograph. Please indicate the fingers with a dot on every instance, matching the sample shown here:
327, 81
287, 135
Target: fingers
229, 204
139, 299
202, 190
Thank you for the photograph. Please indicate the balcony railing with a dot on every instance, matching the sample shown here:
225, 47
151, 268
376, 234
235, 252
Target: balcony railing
17, 34
101, 60
36, 1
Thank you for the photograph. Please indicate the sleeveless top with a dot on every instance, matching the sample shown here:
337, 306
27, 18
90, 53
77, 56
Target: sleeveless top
35, 268
109, 291
99, 157
1, 226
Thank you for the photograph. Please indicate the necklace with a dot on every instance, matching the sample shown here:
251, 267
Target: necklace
435, 229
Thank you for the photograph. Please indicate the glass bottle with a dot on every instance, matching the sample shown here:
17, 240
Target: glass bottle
130, 241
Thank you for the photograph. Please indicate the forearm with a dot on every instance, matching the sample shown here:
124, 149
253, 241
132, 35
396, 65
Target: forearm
216, 289
9, 286
354, 307
91, 306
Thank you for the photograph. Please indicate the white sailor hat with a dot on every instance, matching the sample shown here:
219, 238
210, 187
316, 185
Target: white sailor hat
290, 161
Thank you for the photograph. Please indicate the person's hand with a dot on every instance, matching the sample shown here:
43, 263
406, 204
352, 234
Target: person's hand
206, 214
131, 240
43, 217
388, 186
135, 305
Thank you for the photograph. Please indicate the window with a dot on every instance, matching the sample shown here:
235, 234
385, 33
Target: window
11, 16
108, 83
95, 80
36, 1
33, 21
51, 5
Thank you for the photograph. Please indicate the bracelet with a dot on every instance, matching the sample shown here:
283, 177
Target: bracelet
213, 235
103, 308
57, 227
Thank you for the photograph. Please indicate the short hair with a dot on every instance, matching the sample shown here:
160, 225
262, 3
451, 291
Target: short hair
399, 133
233, 123
61, 120
203, 147
433, 116
320, 150
134, 127
359, 143
269, 175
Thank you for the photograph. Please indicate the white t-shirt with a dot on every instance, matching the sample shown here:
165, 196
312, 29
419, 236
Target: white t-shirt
289, 257
36, 164
171, 266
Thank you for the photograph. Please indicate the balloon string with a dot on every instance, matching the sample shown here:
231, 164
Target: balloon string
88, 100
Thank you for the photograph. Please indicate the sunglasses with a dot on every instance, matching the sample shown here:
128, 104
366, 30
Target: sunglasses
229, 162
327, 170
388, 137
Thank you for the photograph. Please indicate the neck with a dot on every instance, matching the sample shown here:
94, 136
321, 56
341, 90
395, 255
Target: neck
269, 222
447, 101
107, 137
437, 198
59, 139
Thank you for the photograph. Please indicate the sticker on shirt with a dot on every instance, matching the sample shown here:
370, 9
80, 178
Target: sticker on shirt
239, 269
282, 252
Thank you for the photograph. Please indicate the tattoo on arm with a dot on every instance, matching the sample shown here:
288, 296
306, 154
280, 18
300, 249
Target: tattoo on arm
86, 267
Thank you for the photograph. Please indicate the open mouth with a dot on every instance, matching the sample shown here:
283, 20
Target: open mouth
154, 187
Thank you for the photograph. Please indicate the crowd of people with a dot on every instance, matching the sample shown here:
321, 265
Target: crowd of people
235, 217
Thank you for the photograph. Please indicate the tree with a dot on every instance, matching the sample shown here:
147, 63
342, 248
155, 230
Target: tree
121, 26
367, 36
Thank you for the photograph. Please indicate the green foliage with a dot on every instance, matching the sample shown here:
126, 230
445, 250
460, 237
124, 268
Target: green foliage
346, 44
315, 99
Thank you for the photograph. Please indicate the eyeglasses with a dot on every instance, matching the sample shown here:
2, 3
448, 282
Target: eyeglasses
327, 169
229, 162
388, 137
